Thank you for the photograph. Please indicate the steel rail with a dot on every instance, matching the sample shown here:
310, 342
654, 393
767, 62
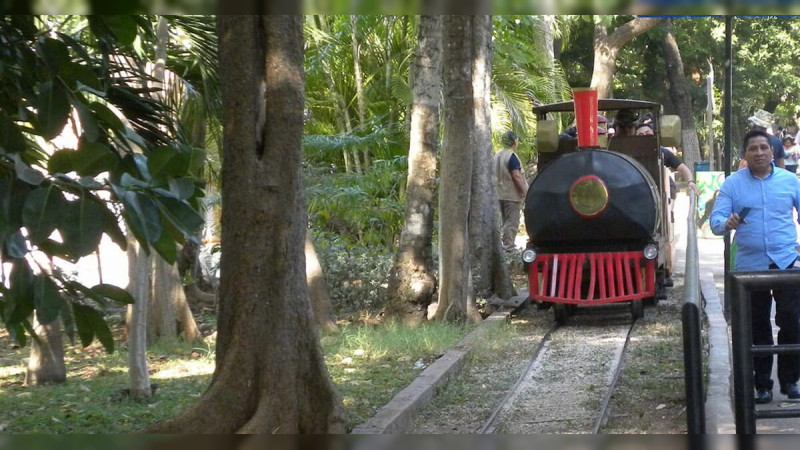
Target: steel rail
604, 406
488, 427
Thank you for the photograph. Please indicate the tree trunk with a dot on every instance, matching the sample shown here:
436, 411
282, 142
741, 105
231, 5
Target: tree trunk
168, 311
607, 47
680, 95
46, 362
170, 316
360, 101
270, 375
389, 51
489, 272
139, 266
318, 288
456, 173
411, 280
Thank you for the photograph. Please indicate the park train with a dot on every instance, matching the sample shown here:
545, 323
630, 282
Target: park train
598, 218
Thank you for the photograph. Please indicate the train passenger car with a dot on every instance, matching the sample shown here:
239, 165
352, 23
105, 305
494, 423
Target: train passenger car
598, 218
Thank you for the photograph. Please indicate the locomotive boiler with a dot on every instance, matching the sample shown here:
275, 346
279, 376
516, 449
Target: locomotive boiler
598, 217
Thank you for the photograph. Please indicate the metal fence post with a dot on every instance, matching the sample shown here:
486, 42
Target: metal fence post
742, 340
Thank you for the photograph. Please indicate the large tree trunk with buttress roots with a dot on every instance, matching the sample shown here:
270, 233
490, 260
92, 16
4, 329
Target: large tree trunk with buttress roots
455, 290
489, 271
270, 374
411, 280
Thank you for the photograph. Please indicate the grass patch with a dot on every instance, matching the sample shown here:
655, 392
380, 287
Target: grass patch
84, 404
370, 364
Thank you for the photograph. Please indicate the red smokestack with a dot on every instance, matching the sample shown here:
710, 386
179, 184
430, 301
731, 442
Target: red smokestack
585, 100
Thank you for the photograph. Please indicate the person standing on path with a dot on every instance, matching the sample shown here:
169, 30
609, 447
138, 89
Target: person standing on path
758, 203
511, 188
792, 153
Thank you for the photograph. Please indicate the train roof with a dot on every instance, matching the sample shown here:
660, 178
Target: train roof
603, 104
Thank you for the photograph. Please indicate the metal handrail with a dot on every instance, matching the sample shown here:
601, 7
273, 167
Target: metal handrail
742, 284
692, 328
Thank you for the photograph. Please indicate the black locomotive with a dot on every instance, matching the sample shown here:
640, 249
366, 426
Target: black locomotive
598, 218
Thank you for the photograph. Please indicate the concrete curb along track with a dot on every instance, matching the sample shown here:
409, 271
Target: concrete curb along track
395, 416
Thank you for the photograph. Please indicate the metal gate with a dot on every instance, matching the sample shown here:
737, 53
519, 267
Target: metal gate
742, 284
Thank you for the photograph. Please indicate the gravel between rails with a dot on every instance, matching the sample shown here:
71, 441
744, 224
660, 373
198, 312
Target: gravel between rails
649, 397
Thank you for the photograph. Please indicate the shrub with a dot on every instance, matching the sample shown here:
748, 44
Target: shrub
357, 276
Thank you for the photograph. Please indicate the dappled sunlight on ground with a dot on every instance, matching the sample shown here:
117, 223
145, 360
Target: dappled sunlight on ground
183, 369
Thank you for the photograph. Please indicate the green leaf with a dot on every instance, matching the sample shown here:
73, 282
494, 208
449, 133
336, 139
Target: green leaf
53, 109
90, 183
82, 226
19, 303
182, 188
164, 162
141, 214
25, 172
94, 158
114, 293
166, 248
51, 247
122, 27
61, 161
54, 53
111, 226
89, 323
128, 180
42, 212
107, 116
83, 78
11, 138
15, 245
140, 161
182, 216
46, 299
69, 321
91, 132
12, 199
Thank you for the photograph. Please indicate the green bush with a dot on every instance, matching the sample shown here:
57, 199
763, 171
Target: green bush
357, 276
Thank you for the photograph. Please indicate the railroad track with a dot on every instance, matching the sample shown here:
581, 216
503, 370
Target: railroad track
568, 381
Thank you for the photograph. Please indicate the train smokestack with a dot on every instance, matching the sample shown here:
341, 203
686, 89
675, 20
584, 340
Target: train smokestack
585, 100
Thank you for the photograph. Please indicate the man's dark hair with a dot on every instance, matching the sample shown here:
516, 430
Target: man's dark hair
751, 134
508, 139
626, 117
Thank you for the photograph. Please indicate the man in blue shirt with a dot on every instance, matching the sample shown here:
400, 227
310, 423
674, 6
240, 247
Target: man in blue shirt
761, 120
758, 203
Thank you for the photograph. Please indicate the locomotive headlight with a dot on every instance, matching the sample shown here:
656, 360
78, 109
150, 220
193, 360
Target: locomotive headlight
588, 196
528, 255
650, 251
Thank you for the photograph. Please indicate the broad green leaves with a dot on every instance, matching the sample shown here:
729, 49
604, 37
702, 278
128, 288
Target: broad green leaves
126, 164
89, 160
46, 299
90, 324
54, 108
81, 223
